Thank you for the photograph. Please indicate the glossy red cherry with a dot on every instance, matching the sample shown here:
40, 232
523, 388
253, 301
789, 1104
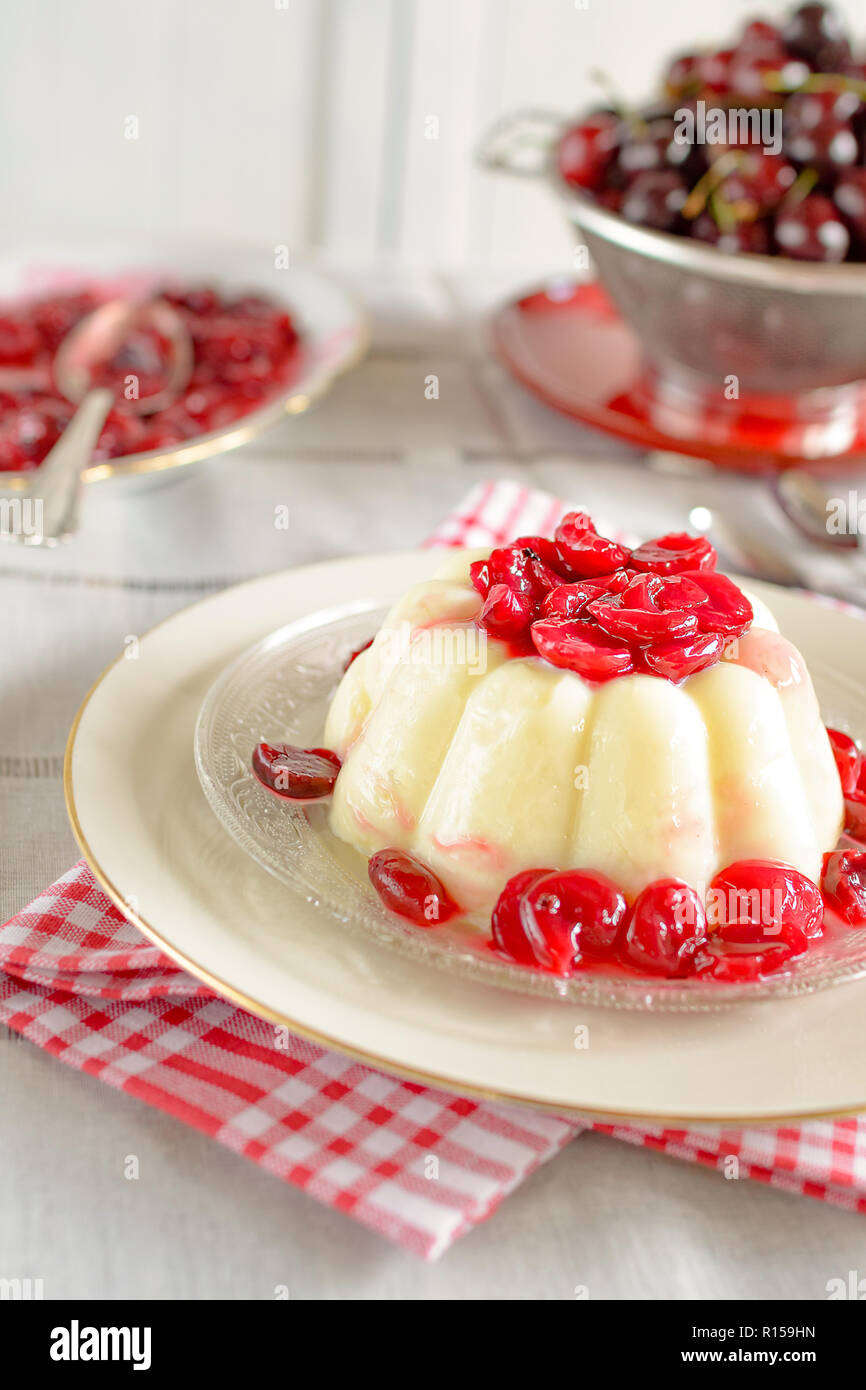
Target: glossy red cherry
849, 195
673, 554
297, 774
756, 902
727, 609
520, 567
507, 612
479, 575
562, 916
760, 33
844, 884
807, 110
666, 928
829, 147
684, 656
546, 550
759, 178
581, 646
655, 199
641, 625
676, 591
586, 150
507, 930
642, 591
684, 76
408, 887
816, 34
54, 316
847, 756
714, 70
585, 554
812, 230
569, 600
746, 238
855, 815
19, 341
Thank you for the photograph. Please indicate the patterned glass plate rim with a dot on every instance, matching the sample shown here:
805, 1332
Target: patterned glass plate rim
279, 690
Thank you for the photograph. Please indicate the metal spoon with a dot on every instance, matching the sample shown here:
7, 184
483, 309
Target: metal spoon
809, 504
101, 333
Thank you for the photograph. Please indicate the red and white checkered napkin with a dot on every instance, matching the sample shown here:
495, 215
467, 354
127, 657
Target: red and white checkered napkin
417, 1165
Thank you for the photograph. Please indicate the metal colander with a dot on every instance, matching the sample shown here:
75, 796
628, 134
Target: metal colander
780, 326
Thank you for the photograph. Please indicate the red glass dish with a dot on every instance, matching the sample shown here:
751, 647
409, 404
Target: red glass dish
568, 345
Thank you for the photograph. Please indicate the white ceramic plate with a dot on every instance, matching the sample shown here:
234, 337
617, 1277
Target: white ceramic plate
334, 329
153, 842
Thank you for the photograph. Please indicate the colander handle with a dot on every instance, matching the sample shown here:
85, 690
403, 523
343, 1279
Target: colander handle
520, 142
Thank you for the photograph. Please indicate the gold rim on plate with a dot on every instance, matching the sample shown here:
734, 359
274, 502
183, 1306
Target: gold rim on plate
371, 1059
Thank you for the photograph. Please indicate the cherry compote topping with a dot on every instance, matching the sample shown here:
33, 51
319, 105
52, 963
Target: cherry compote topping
296, 774
409, 888
587, 604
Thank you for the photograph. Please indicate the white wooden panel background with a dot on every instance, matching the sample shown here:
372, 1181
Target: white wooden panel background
306, 122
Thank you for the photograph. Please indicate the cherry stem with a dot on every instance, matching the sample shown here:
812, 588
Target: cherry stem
801, 187
816, 82
721, 211
709, 182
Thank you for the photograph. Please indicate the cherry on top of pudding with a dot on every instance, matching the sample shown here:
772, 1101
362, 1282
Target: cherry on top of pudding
587, 604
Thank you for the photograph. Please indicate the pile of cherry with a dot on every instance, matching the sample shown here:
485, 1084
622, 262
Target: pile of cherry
590, 605
244, 349
807, 201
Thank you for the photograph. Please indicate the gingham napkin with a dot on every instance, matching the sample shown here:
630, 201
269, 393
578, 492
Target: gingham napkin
417, 1165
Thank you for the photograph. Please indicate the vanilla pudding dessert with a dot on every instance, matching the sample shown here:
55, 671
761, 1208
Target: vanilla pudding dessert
485, 766
602, 755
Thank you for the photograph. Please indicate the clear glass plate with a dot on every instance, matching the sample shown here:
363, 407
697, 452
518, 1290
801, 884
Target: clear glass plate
280, 690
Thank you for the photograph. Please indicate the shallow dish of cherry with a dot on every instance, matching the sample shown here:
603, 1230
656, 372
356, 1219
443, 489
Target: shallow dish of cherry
156, 847
266, 342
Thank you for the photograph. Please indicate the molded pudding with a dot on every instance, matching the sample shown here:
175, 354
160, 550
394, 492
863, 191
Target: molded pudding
568, 704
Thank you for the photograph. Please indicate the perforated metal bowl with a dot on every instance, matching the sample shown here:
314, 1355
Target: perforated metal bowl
782, 327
